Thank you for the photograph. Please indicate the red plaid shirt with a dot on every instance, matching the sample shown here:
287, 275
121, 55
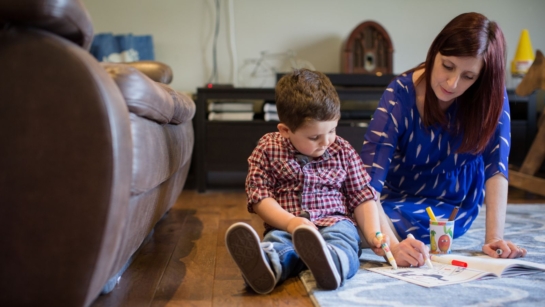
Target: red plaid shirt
327, 188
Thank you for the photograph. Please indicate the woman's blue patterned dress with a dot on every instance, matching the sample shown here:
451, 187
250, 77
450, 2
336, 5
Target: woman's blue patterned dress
414, 167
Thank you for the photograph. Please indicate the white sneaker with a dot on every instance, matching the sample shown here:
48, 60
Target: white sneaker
312, 249
244, 247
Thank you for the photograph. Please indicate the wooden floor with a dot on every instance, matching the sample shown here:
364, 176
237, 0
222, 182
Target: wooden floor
185, 262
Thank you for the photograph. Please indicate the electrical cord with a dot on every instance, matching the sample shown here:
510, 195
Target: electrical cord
214, 76
232, 43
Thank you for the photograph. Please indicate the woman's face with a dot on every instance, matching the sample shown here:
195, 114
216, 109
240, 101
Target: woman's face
452, 76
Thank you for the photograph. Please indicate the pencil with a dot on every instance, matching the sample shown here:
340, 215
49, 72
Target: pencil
430, 213
454, 213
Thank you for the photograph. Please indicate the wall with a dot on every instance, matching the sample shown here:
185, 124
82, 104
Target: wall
315, 29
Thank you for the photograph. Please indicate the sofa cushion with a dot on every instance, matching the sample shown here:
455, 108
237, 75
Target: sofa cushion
172, 143
144, 97
184, 107
68, 19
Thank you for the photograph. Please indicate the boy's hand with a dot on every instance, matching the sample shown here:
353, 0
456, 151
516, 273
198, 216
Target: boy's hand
376, 245
298, 221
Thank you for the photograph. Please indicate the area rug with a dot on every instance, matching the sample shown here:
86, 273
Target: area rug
525, 225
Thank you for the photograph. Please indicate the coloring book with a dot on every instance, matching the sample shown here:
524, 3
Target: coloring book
446, 274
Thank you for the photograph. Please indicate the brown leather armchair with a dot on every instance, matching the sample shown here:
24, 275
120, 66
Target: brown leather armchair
91, 156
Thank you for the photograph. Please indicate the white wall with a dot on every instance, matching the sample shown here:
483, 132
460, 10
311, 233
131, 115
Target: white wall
183, 29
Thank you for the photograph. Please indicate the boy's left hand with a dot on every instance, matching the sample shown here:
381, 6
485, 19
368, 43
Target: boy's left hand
298, 221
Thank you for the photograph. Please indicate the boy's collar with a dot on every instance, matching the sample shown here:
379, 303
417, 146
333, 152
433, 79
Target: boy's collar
330, 151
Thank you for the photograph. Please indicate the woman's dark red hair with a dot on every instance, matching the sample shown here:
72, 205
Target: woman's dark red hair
480, 106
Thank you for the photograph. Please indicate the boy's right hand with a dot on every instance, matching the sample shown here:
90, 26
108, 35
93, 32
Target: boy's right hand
376, 244
298, 221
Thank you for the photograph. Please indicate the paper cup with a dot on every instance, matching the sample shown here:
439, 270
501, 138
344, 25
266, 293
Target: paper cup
441, 236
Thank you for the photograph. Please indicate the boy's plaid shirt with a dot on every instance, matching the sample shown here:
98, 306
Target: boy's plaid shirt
328, 188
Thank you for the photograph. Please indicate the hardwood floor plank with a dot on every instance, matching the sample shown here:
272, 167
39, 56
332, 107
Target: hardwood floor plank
138, 283
189, 278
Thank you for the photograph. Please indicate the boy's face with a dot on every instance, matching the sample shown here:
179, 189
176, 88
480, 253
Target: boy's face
313, 138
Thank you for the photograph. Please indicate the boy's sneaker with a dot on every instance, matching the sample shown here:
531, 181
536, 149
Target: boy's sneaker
244, 246
312, 249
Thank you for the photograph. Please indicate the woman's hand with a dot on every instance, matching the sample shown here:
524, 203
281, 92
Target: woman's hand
298, 221
410, 252
508, 249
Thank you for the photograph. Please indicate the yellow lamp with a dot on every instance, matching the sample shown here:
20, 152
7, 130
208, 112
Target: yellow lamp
524, 57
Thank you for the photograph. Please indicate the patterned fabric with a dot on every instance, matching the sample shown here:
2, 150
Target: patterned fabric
325, 190
415, 167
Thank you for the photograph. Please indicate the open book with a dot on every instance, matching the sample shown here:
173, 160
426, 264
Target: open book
446, 274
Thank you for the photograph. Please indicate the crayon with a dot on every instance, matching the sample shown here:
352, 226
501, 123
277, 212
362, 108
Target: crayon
428, 262
447, 261
454, 213
430, 213
387, 251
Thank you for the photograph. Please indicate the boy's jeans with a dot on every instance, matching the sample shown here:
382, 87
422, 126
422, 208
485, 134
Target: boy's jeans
343, 236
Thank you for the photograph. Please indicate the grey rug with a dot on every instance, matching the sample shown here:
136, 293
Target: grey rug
525, 225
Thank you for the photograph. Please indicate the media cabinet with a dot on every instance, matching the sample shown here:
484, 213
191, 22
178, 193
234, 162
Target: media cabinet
224, 146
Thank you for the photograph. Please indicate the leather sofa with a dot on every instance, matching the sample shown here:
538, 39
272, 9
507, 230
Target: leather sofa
92, 156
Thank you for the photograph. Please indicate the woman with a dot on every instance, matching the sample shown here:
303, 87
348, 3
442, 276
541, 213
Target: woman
440, 138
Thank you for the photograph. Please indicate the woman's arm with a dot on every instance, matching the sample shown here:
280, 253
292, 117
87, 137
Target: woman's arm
496, 206
496, 158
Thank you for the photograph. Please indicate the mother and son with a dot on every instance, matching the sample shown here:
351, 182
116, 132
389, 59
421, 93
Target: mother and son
439, 138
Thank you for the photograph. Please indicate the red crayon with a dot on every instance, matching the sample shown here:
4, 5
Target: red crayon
447, 261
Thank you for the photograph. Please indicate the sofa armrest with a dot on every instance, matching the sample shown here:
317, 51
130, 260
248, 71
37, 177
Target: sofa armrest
143, 96
155, 70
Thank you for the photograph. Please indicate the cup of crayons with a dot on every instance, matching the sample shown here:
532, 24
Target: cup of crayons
441, 232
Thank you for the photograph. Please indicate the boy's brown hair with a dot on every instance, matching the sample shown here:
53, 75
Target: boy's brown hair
304, 95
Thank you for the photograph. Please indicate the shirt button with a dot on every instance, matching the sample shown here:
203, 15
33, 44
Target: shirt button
284, 169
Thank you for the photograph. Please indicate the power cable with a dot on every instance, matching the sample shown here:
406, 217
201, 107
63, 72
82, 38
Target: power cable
214, 76
232, 44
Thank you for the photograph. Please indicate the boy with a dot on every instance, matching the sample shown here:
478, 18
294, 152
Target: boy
310, 188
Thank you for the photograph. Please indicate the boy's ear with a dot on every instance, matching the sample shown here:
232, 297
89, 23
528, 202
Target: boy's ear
284, 130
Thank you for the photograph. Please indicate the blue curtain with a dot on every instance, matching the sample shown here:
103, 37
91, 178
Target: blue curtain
107, 47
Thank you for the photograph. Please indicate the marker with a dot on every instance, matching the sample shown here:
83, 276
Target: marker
453, 214
428, 261
499, 251
387, 251
447, 261
430, 213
